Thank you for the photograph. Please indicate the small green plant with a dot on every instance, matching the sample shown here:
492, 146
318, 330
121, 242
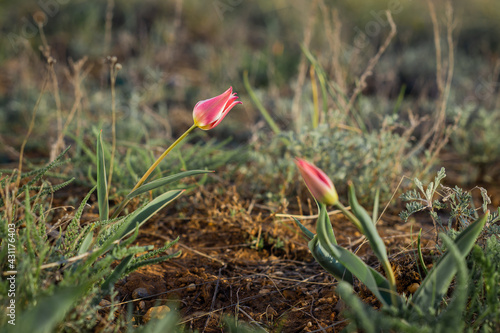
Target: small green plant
79, 258
422, 308
372, 159
476, 141
456, 204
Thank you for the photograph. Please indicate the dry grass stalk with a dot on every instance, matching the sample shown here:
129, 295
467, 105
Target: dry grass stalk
333, 37
108, 26
440, 133
114, 67
78, 74
372, 62
296, 114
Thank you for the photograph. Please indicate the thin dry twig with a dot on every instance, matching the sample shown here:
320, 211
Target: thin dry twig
437, 44
371, 64
213, 300
296, 114
108, 25
310, 217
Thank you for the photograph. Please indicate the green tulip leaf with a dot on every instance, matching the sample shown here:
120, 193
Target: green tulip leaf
374, 281
141, 215
164, 181
369, 228
309, 234
329, 263
440, 276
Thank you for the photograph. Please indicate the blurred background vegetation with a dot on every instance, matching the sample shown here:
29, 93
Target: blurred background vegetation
334, 82
175, 53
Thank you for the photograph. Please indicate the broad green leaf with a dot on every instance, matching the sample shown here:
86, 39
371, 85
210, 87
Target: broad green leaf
439, 278
364, 313
49, 311
164, 181
324, 227
140, 216
102, 186
367, 275
328, 262
326, 242
373, 280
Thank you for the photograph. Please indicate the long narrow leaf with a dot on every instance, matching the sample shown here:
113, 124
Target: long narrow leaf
140, 216
419, 250
448, 321
164, 181
370, 231
373, 280
379, 286
102, 185
307, 233
439, 278
117, 273
259, 105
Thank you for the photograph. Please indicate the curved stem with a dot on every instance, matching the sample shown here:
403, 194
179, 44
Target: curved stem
151, 169
386, 265
350, 216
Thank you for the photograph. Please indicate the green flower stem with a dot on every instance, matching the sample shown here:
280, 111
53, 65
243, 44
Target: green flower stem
151, 169
385, 263
350, 216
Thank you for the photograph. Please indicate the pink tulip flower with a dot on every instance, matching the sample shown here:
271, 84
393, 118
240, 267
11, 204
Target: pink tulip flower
317, 181
209, 113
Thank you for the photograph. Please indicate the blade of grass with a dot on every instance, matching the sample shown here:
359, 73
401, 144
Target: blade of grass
102, 186
140, 216
164, 181
440, 276
420, 256
259, 105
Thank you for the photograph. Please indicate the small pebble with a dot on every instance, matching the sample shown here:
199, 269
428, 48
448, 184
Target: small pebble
191, 287
413, 287
140, 293
104, 303
156, 312
264, 291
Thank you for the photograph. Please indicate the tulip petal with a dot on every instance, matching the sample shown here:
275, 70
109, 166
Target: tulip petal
209, 110
318, 183
225, 112
209, 113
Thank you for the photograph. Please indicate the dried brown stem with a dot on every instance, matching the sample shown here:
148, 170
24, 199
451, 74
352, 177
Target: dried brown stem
371, 64
296, 114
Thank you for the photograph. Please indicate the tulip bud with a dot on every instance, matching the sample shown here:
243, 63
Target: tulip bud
209, 113
320, 186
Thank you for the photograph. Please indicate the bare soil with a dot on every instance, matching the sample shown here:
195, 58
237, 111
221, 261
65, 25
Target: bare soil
240, 259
